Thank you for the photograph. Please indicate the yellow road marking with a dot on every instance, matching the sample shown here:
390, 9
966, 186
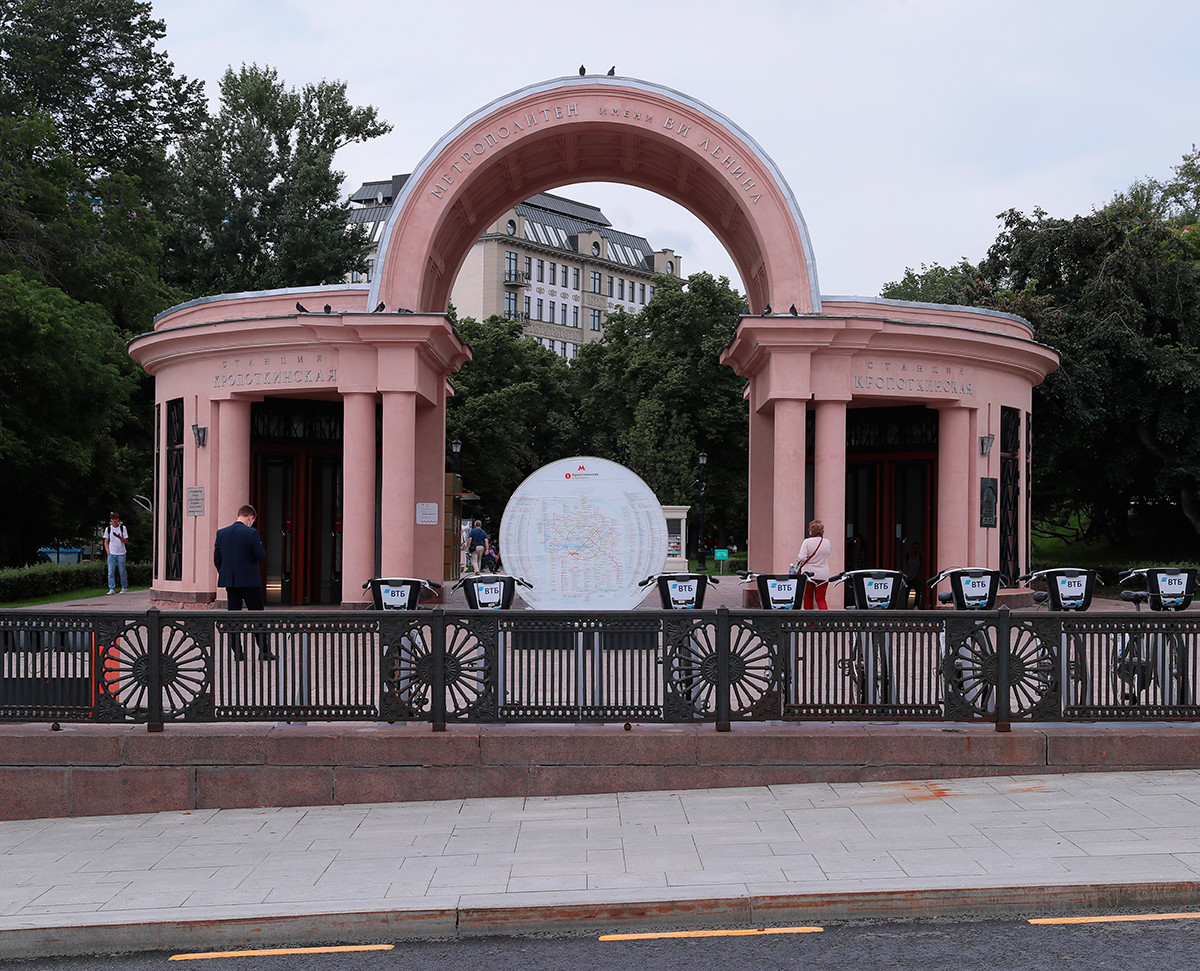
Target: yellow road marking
725, 933
282, 950
1115, 918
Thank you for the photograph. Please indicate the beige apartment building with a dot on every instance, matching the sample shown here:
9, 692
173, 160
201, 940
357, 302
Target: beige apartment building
554, 264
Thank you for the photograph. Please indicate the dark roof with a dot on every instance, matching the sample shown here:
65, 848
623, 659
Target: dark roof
568, 207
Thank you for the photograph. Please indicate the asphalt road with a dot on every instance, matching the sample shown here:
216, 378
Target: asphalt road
1117, 942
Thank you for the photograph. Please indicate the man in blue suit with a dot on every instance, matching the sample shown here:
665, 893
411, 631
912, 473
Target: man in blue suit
236, 555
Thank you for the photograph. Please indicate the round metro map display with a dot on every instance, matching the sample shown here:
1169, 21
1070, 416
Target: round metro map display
584, 531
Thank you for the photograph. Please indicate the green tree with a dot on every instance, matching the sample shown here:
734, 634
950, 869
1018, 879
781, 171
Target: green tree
1117, 293
95, 69
258, 202
512, 410
653, 395
65, 387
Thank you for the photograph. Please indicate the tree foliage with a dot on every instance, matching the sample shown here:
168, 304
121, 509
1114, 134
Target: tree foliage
95, 69
258, 203
1117, 293
65, 387
511, 410
653, 395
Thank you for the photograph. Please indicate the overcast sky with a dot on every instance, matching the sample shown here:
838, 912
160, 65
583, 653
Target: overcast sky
903, 128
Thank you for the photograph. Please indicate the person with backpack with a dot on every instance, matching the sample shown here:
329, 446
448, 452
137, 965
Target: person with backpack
116, 542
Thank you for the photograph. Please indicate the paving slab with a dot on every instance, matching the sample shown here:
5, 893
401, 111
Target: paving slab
696, 858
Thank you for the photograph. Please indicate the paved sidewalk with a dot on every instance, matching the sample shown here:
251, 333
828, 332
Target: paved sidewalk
724, 857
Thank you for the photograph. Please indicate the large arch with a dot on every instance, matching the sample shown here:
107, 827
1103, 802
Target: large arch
595, 129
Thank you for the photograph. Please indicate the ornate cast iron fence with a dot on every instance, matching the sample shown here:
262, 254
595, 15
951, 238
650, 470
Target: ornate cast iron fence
721, 666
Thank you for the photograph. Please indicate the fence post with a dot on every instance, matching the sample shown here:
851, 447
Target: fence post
723, 686
154, 707
1003, 654
437, 686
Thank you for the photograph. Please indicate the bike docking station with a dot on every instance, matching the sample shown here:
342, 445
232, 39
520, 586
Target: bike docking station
398, 593
1167, 589
876, 589
682, 591
1067, 588
493, 592
971, 588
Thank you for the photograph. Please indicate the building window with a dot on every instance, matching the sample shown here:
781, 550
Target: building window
512, 228
529, 268
551, 318
564, 274
173, 481
564, 315
541, 271
670, 267
641, 293
595, 320
650, 290
610, 286
526, 308
620, 289
510, 265
510, 304
539, 308
574, 278
595, 281
574, 316
553, 273
596, 249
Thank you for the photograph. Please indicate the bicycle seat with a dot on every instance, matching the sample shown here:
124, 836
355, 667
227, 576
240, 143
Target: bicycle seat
1135, 596
1040, 596
947, 596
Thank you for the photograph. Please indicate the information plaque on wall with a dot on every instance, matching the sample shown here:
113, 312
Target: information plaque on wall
988, 489
195, 501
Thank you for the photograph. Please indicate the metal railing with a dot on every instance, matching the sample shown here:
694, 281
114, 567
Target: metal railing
722, 666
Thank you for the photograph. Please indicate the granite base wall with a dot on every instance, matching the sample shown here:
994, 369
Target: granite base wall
91, 770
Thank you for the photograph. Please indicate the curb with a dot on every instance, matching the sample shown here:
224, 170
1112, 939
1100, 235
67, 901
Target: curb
747, 910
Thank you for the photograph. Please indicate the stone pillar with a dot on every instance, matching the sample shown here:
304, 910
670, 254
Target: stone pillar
233, 444
399, 503
829, 480
760, 538
788, 526
955, 500
358, 494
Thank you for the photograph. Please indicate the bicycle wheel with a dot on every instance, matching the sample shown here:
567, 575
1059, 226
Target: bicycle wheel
1073, 677
1132, 668
871, 668
1171, 670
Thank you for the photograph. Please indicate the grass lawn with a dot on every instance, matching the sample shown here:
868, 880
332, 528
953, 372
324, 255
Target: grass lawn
63, 597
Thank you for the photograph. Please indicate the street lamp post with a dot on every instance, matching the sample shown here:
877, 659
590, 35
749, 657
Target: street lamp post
456, 448
702, 484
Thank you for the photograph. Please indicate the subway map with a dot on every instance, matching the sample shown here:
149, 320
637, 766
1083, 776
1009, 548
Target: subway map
584, 531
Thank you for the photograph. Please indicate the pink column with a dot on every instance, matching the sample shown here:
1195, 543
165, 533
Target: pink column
760, 538
358, 494
233, 444
829, 480
788, 527
399, 509
955, 500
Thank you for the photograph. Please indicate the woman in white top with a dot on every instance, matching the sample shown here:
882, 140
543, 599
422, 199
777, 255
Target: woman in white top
813, 559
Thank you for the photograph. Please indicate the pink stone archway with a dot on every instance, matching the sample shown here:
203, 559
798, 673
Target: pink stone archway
595, 130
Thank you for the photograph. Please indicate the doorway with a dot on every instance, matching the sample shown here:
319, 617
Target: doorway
296, 484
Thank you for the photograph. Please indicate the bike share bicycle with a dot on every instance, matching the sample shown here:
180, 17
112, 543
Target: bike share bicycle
1067, 589
1151, 658
870, 661
969, 668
